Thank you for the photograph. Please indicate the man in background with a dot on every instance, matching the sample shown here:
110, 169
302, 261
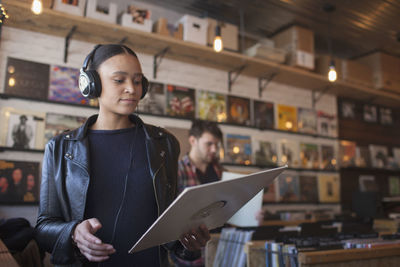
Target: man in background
201, 165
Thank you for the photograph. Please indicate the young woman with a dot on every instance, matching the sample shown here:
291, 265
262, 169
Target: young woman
106, 182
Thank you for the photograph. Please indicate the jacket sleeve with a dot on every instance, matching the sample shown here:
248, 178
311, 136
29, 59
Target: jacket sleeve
52, 232
176, 247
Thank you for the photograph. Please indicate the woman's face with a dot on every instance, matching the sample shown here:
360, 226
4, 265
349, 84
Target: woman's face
121, 80
30, 181
17, 176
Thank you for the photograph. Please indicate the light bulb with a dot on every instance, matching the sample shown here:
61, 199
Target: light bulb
332, 75
37, 7
218, 44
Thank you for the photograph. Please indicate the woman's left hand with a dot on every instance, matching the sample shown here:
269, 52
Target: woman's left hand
196, 238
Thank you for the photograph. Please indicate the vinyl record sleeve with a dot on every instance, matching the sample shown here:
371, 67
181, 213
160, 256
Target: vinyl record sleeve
210, 204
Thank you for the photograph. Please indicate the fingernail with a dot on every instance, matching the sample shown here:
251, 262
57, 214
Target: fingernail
97, 241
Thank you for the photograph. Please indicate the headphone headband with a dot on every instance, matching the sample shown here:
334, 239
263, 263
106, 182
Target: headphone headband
89, 58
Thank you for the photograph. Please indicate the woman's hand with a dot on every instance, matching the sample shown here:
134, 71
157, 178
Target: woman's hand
196, 238
89, 245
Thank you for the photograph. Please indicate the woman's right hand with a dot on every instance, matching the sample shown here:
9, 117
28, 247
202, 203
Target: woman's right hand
89, 245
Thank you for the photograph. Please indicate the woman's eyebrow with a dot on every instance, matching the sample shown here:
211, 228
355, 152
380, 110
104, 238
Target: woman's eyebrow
120, 72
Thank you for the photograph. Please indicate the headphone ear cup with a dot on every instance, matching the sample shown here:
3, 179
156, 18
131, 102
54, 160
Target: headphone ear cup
97, 84
90, 83
145, 86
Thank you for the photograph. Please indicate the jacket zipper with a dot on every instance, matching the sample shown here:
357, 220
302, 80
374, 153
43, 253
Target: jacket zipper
158, 206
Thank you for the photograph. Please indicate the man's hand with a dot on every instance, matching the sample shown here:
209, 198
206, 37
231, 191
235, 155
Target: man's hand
196, 238
89, 245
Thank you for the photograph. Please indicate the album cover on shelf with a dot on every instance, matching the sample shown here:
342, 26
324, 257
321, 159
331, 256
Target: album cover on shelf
308, 188
56, 124
379, 156
363, 157
347, 109
347, 153
238, 110
394, 186
370, 113
26, 78
180, 101
326, 124
309, 156
154, 101
263, 115
328, 157
287, 118
238, 149
19, 182
289, 189
64, 86
289, 153
265, 153
270, 193
307, 120
367, 183
385, 116
22, 129
396, 155
329, 188
211, 106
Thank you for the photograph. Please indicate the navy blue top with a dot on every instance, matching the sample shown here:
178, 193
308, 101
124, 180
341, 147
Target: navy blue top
110, 154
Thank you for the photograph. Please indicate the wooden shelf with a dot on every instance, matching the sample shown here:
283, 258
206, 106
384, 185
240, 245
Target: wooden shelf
95, 31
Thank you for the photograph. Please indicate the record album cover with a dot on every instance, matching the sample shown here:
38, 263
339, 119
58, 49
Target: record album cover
363, 157
309, 156
64, 86
394, 186
370, 113
263, 114
238, 149
289, 189
58, 123
308, 188
347, 109
379, 156
180, 102
328, 157
289, 153
385, 116
287, 118
270, 193
154, 102
347, 153
26, 78
307, 120
265, 153
329, 188
19, 182
211, 106
326, 124
238, 110
22, 129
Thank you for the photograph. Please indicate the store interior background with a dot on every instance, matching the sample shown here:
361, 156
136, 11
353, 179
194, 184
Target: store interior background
353, 29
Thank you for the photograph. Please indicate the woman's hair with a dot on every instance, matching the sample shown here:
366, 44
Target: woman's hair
107, 51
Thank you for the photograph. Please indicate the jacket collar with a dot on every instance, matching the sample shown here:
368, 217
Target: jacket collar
81, 132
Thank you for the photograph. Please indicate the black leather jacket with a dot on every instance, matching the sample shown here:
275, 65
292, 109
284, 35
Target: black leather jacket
65, 180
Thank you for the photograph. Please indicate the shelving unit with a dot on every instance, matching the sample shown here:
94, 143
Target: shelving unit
95, 31
7, 96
